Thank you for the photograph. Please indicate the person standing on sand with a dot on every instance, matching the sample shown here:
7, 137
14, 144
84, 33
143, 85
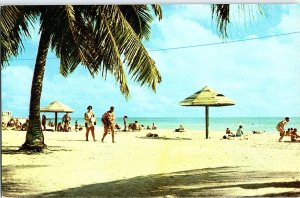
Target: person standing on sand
125, 121
44, 122
280, 127
108, 119
89, 118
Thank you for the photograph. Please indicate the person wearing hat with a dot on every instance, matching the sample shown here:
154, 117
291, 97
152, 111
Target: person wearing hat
89, 118
280, 127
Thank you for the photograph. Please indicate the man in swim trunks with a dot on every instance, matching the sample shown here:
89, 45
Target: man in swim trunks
280, 127
108, 120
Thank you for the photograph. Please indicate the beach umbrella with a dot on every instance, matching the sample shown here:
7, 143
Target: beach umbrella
56, 107
209, 98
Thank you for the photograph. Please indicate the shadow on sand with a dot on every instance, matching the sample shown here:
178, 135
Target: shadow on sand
163, 138
14, 150
220, 181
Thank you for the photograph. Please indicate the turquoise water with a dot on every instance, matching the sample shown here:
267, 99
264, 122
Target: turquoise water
267, 124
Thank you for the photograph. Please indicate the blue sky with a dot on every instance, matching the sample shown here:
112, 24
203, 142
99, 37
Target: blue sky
262, 76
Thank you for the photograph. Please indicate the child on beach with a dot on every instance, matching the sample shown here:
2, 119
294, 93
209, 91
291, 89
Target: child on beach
280, 127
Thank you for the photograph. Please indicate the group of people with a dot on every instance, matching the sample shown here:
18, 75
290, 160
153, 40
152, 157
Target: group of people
108, 120
292, 132
135, 126
63, 126
18, 125
229, 134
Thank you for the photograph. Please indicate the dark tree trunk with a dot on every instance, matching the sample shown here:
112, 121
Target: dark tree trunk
35, 137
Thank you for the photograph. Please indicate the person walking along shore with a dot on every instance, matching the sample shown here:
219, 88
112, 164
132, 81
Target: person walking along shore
108, 119
89, 118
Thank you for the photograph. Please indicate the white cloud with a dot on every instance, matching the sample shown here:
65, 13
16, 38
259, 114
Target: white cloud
290, 22
16, 89
245, 71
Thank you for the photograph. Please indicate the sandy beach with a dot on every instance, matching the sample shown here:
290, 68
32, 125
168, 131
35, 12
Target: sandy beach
174, 165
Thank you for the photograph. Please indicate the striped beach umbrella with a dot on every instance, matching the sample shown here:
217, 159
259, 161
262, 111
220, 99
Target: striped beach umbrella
207, 97
56, 107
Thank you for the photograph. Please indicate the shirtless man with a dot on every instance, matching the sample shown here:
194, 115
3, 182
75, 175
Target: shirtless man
108, 120
280, 127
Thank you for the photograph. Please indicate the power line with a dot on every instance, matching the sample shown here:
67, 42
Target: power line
202, 45
222, 43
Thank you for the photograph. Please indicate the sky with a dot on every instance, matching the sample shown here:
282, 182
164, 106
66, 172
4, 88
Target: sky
262, 75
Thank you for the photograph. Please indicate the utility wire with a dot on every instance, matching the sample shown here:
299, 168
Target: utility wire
222, 43
202, 45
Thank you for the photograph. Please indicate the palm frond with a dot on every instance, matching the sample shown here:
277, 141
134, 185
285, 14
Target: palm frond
72, 39
113, 58
157, 11
139, 18
221, 12
141, 66
14, 21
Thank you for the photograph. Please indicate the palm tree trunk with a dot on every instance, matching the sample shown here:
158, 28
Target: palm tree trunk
35, 137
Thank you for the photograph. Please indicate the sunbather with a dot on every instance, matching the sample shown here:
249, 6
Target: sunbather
294, 136
180, 129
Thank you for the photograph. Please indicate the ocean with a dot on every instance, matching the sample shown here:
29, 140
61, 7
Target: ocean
249, 124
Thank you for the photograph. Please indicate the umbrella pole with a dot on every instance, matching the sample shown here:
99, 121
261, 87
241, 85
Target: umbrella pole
55, 122
206, 121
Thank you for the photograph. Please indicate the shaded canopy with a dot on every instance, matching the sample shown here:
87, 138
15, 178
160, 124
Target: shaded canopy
207, 97
57, 106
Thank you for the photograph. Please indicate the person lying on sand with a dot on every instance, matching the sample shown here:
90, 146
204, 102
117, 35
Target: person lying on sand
151, 135
294, 136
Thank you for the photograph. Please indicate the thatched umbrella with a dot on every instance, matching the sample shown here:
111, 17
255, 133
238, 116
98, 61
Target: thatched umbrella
56, 107
207, 97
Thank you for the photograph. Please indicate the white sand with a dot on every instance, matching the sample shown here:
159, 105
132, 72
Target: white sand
182, 164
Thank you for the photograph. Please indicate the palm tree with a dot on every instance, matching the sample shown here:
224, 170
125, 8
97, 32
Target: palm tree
101, 38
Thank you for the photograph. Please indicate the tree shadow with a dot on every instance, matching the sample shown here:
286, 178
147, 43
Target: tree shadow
73, 140
15, 150
220, 181
13, 187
